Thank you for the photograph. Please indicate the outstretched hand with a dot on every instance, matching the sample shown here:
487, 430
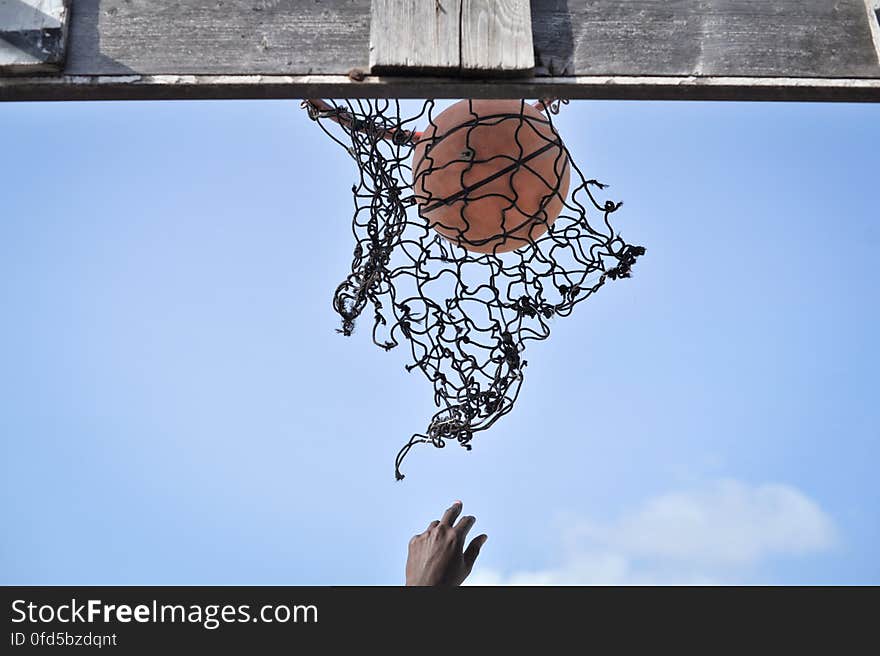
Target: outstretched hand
438, 557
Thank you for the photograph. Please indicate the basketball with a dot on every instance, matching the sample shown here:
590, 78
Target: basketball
490, 175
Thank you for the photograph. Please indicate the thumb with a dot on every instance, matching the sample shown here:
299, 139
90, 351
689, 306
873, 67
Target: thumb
473, 550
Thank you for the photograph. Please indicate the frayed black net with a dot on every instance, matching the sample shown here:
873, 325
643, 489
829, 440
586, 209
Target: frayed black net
465, 314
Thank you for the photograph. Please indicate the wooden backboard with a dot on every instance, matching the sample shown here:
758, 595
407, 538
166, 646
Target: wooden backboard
640, 49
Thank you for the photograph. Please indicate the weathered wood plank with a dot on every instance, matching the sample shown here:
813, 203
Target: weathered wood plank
33, 36
774, 38
781, 38
270, 37
415, 36
718, 49
496, 35
172, 87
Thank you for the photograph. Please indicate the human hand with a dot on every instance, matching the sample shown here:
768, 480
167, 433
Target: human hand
437, 558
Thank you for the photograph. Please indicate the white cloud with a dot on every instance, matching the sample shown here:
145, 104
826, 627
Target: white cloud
711, 535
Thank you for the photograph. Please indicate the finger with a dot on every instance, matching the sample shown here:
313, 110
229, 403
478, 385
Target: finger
473, 550
464, 526
433, 524
451, 513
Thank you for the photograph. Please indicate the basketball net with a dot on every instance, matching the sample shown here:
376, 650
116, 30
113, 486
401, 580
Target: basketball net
465, 316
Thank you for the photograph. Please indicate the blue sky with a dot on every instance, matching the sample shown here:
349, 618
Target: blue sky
176, 406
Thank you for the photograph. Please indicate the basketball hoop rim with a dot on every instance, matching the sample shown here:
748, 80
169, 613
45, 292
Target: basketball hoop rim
311, 105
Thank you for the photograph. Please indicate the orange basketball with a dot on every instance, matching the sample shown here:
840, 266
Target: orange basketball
490, 175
